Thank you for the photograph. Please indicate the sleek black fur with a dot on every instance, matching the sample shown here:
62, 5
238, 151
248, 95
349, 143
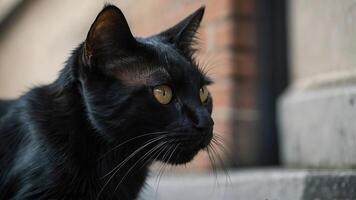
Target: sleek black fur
93, 132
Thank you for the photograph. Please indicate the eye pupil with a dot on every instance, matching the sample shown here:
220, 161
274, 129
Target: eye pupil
163, 94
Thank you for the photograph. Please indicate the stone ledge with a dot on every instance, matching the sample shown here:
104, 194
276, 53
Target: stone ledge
259, 184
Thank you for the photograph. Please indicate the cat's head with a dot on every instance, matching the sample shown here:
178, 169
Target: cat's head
148, 91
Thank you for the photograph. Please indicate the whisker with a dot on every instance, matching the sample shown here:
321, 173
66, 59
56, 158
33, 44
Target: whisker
213, 165
155, 155
219, 143
117, 168
129, 140
160, 167
222, 163
226, 173
162, 164
165, 165
142, 158
134, 153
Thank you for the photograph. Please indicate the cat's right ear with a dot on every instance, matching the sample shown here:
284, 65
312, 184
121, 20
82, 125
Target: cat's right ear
108, 34
182, 35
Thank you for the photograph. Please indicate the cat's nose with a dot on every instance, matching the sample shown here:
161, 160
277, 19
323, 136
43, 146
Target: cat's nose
199, 117
202, 119
205, 122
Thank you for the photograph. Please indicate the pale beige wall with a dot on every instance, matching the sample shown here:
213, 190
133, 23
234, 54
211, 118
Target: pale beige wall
323, 42
36, 44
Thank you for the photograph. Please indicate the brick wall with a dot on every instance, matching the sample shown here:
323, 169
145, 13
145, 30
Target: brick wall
227, 50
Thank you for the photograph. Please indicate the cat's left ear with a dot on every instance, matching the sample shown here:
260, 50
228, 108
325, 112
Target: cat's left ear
183, 34
109, 34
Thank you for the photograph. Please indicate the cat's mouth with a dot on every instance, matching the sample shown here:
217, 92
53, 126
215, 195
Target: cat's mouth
186, 145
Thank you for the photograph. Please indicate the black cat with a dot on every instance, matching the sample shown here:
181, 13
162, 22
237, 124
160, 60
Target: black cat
119, 103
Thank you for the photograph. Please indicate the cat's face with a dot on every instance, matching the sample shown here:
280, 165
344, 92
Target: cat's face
147, 90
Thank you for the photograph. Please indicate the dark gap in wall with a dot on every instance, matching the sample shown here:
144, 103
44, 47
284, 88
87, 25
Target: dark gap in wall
273, 72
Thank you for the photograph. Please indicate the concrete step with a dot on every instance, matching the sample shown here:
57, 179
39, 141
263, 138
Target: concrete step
257, 184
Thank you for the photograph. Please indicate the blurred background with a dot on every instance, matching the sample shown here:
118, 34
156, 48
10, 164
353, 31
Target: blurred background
284, 92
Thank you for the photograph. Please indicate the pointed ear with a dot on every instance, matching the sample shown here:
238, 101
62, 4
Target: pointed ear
109, 32
182, 35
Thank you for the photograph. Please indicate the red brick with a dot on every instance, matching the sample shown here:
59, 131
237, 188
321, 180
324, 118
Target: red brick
246, 7
218, 9
246, 142
228, 34
217, 65
245, 94
245, 31
222, 93
245, 64
224, 65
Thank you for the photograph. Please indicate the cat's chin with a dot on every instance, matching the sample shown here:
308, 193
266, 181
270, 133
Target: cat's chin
182, 156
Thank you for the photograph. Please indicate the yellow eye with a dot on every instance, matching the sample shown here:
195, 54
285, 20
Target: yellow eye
204, 94
163, 94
